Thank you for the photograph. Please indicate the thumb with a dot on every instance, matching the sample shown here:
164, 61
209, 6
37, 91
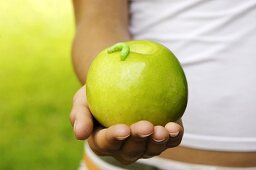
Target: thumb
80, 116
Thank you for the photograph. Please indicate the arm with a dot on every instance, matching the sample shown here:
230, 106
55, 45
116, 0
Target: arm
99, 24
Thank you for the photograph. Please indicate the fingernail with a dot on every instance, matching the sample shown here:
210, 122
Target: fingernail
75, 124
147, 135
158, 140
174, 134
122, 137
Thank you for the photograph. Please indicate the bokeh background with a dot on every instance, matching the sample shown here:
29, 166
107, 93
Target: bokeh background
36, 85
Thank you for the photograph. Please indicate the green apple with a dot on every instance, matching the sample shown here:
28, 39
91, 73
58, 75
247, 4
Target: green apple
136, 80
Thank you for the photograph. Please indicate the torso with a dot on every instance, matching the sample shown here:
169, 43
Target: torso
215, 41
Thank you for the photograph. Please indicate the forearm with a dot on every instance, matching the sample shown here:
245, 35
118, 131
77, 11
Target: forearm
98, 25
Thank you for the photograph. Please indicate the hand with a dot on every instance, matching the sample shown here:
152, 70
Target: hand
125, 143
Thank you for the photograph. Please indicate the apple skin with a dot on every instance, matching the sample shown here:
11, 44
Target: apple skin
149, 84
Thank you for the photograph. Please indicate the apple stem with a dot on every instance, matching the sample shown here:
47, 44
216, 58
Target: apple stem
123, 47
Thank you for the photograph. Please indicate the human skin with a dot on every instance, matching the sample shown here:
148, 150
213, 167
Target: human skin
100, 25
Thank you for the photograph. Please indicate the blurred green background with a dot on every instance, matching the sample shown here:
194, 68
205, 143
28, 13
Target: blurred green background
36, 85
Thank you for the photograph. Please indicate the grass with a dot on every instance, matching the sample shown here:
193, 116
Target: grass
36, 86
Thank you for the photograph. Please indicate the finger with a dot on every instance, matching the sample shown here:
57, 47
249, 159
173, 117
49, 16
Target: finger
157, 142
81, 117
108, 141
176, 132
135, 146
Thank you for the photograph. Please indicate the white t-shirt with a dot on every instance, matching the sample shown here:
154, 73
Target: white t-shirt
215, 40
